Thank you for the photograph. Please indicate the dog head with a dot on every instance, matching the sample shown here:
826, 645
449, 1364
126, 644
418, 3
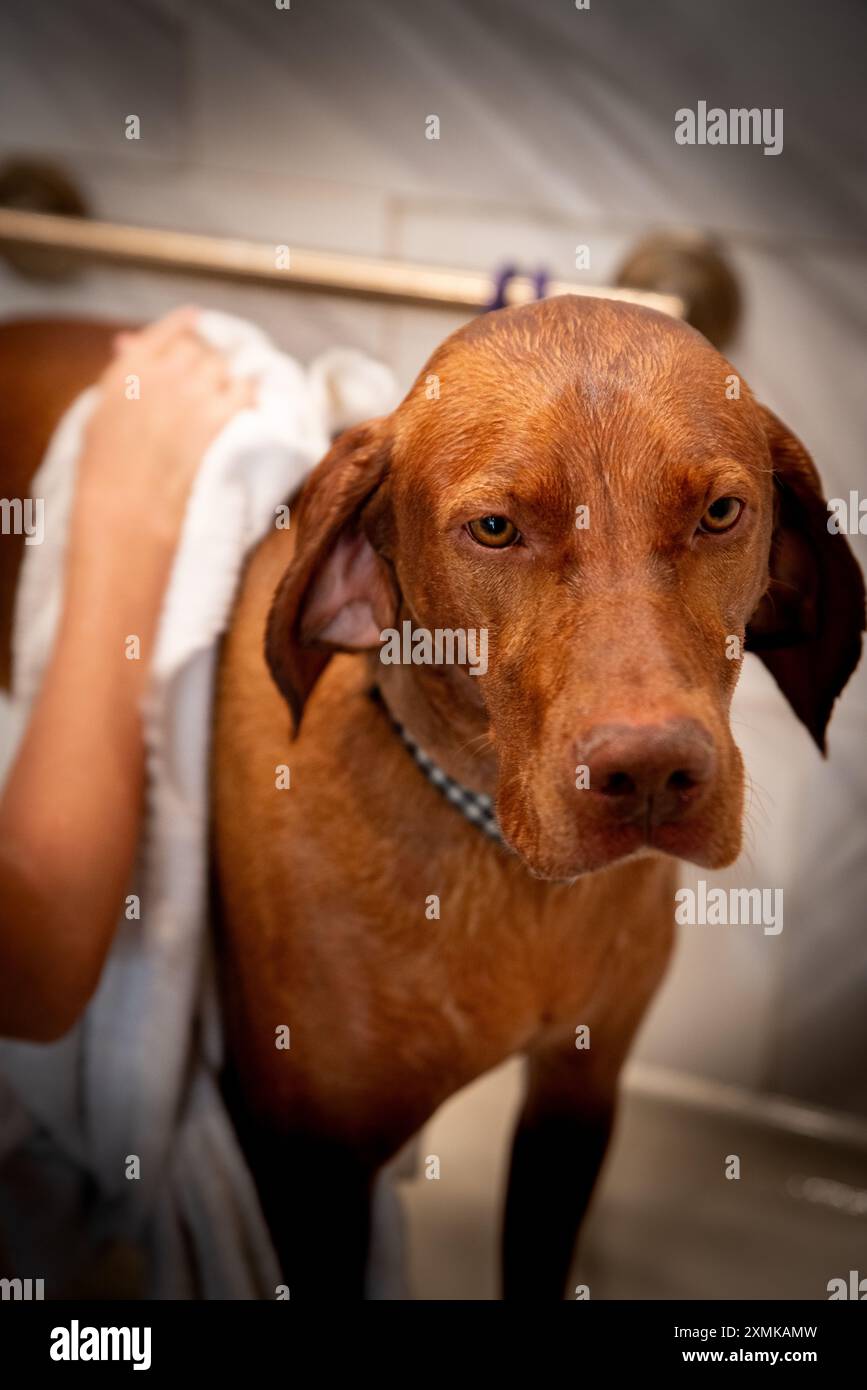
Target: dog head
589, 485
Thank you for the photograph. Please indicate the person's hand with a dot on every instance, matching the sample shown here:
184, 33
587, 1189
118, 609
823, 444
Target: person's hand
163, 398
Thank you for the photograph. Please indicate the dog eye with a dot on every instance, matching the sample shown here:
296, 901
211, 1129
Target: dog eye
496, 532
721, 515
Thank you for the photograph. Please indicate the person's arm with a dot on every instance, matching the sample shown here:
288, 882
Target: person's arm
71, 809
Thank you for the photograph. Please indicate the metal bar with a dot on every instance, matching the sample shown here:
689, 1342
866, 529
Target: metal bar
754, 1107
327, 272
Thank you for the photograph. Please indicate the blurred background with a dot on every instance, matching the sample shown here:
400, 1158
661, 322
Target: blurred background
306, 127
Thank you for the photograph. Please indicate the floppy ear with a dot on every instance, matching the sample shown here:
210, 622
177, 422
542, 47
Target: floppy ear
337, 592
807, 627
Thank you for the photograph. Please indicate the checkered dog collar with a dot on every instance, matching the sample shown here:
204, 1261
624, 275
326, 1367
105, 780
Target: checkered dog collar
474, 806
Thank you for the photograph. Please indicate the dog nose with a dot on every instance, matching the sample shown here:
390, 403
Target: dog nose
654, 773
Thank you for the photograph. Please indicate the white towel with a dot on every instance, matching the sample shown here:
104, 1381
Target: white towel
138, 1075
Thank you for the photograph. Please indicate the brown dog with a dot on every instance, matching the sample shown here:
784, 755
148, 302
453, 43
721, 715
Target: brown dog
571, 478
406, 951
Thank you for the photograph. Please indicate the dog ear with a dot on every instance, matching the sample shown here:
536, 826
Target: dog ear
807, 627
338, 593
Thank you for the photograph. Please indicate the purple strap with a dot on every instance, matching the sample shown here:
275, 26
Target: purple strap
501, 284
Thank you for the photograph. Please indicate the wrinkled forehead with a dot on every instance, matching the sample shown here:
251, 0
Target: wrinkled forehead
574, 388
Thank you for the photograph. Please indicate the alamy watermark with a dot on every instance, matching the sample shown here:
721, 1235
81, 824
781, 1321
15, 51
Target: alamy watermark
740, 125
22, 1290
730, 907
444, 646
77, 1343
23, 516
848, 516
852, 1287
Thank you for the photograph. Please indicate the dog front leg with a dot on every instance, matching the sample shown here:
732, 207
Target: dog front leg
560, 1141
316, 1198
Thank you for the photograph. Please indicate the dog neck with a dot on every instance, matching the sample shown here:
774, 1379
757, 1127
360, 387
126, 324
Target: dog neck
475, 806
443, 712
